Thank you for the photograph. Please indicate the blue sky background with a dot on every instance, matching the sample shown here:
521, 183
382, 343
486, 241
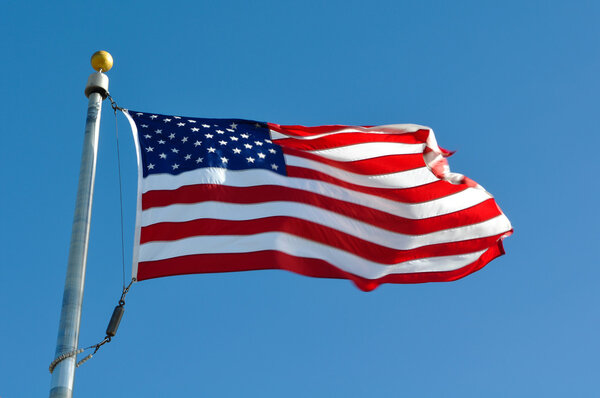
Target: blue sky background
512, 86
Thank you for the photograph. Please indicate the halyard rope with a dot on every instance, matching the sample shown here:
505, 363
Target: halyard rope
115, 107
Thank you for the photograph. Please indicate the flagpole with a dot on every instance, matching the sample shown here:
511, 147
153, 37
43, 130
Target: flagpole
63, 375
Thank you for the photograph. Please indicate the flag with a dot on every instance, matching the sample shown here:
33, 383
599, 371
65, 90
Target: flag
370, 204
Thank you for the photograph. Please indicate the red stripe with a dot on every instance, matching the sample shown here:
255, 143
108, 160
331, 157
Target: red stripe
307, 131
345, 139
422, 193
271, 193
304, 131
231, 262
171, 231
362, 134
373, 166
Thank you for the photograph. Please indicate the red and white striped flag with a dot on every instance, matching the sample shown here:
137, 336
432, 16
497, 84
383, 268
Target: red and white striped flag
371, 204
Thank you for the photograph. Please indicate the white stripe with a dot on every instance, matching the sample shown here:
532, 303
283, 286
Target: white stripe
368, 150
359, 229
138, 215
403, 179
249, 178
299, 247
390, 129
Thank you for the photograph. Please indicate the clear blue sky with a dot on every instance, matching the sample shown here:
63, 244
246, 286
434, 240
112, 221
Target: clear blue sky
512, 86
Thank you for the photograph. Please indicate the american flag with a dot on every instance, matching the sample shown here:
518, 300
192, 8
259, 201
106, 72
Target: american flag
370, 204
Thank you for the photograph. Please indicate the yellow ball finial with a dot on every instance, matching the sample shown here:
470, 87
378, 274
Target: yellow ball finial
102, 60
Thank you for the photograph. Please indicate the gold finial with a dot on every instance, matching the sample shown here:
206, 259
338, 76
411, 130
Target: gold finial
102, 61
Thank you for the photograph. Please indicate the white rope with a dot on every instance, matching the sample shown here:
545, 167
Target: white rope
64, 356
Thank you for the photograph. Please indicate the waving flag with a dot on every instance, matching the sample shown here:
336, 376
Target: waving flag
370, 204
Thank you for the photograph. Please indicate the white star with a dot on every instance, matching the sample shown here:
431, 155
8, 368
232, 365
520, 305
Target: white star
269, 141
250, 160
220, 132
272, 150
199, 160
175, 150
177, 117
147, 136
139, 113
149, 149
150, 166
233, 126
244, 135
158, 131
145, 126
153, 117
175, 166
184, 139
188, 157
194, 129
257, 125
163, 156
166, 120
224, 160
197, 143
208, 135
230, 130
181, 124
191, 121
258, 143
237, 150
261, 155
274, 166
171, 136
211, 150
223, 142
233, 138
206, 126
161, 141
248, 146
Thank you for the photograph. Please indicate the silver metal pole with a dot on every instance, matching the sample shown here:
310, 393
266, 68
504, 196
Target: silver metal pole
70, 315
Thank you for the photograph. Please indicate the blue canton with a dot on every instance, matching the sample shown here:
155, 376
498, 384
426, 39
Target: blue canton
176, 144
